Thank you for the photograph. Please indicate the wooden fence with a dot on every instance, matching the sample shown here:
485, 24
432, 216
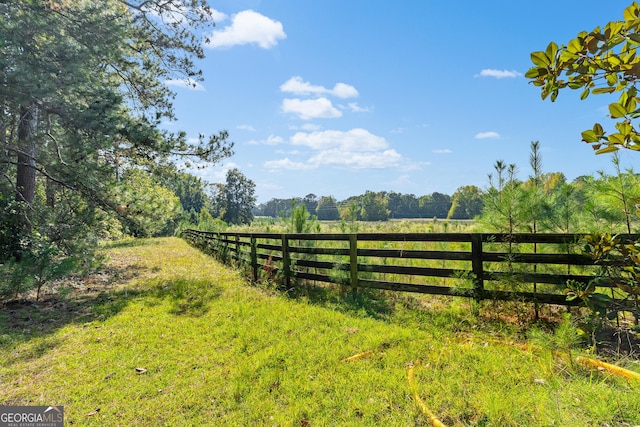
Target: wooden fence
524, 267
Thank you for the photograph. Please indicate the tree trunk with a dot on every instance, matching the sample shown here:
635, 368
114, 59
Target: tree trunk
26, 174
51, 190
25, 178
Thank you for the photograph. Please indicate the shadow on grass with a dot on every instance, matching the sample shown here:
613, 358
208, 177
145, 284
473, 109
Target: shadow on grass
188, 297
24, 320
424, 313
131, 243
363, 303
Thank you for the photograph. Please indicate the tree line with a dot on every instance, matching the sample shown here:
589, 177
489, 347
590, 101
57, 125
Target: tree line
542, 201
370, 206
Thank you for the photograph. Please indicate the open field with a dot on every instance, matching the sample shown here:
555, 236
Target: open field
167, 336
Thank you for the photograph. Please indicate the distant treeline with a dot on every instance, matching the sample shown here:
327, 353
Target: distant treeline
372, 206
545, 201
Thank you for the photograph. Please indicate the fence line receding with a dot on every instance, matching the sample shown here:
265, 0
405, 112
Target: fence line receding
525, 267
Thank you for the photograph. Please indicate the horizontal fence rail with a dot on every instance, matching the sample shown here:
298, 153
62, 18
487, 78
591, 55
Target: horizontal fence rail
524, 267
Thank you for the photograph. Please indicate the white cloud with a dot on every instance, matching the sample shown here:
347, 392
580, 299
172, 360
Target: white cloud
354, 149
357, 160
248, 27
297, 86
342, 90
287, 164
354, 107
306, 126
498, 74
246, 127
488, 135
310, 127
271, 140
186, 83
354, 140
289, 152
444, 151
310, 108
218, 16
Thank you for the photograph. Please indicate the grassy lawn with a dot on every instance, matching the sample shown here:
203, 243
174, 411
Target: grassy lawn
167, 336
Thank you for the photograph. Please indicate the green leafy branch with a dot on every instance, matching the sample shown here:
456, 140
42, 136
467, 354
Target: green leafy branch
602, 61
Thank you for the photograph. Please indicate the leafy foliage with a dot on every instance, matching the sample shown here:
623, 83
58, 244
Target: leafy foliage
302, 221
602, 61
619, 257
327, 209
147, 209
82, 90
466, 202
374, 207
237, 198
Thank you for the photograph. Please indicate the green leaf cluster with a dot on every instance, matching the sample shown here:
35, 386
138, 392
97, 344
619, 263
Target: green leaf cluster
602, 61
619, 257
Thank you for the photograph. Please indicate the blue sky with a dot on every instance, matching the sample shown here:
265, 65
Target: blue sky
339, 97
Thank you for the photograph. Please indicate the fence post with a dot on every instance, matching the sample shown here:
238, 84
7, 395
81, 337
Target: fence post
353, 261
254, 258
237, 249
286, 262
476, 266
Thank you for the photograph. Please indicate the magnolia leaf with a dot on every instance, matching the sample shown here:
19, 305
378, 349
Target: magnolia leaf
567, 57
634, 37
598, 129
607, 149
617, 111
574, 46
584, 94
592, 43
613, 60
612, 78
613, 29
624, 128
533, 73
540, 59
140, 370
630, 13
603, 90
551, 51
616, 138
590, 136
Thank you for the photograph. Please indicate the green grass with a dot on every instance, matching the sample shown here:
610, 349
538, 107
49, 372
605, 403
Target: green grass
218, 351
